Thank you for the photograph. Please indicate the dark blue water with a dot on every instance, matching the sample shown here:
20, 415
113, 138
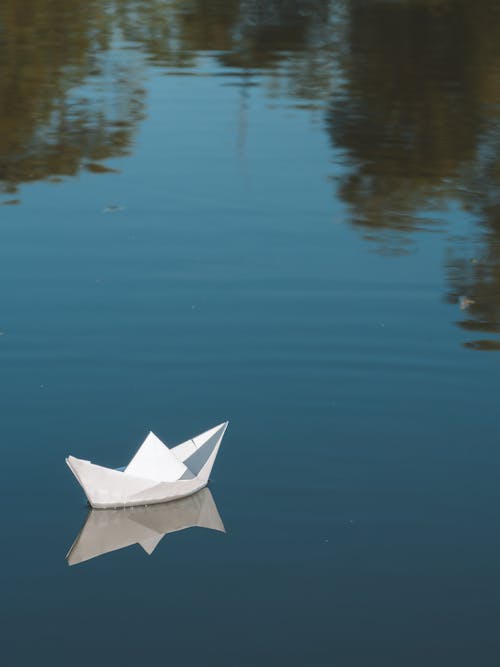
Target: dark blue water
283, 214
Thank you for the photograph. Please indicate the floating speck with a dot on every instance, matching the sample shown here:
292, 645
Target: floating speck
113, 208
465, 302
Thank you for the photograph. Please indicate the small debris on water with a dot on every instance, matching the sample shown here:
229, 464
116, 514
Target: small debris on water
465, 302
11, 202
113, 208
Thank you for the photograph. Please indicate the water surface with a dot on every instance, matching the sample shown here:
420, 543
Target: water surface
284, 214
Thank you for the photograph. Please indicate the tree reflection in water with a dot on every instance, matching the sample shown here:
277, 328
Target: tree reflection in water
70, 97
409, 91
67, 100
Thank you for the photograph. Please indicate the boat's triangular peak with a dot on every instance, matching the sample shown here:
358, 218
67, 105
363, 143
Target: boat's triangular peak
200, 452
154, 460
154, 475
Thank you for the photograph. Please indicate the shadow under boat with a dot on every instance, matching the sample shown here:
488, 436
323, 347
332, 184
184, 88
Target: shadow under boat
108, 530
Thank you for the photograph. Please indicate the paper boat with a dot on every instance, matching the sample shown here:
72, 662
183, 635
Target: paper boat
108, 530
156, 473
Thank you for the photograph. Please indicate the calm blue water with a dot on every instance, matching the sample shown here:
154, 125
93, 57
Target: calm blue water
300, 234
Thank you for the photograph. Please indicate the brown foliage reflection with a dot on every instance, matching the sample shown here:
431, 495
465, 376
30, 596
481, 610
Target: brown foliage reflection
53, 87
410, 91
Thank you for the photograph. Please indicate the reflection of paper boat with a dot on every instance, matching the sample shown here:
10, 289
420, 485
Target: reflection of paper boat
109, 530
154, 475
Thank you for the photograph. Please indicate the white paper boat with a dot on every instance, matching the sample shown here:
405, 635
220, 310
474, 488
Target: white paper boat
154, 475
108, 530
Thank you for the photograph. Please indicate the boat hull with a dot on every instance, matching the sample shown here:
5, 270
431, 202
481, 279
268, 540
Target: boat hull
106, 488
110, 505
148, 478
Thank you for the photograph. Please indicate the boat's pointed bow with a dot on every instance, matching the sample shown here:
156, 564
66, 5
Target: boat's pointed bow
74, 464
207, 444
